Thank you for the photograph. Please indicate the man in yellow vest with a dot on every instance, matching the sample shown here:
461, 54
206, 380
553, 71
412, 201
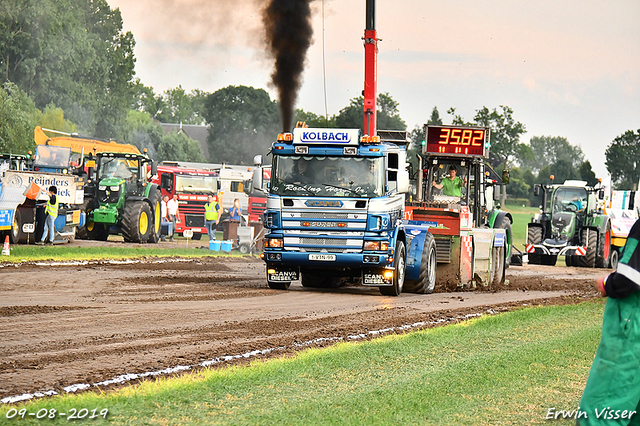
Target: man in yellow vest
211, 216
51, 213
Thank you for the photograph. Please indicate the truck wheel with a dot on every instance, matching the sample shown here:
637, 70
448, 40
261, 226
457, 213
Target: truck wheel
278, 285
589, 259
499, 265
604, 249
136, 222
16, 227
613, 260
534, 236
398, 272
506, 225
427, 280
154, 233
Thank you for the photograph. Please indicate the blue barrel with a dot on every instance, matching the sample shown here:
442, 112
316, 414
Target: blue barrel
214, 245
226, 246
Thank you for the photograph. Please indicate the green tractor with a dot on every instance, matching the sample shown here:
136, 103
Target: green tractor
571, 224
122, 198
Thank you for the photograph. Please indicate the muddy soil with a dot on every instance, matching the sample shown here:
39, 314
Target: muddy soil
84, 324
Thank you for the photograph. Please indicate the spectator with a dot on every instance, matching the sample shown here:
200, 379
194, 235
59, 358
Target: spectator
236, 211
211, 216
51, 213
172, 209
164, 218
614, 380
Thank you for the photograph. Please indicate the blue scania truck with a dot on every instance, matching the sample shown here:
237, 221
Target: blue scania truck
335, 213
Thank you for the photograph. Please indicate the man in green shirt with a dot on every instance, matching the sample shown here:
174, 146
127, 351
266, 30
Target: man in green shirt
452, 185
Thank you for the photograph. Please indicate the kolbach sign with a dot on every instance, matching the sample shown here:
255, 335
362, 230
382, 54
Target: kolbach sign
70, 188
302, 136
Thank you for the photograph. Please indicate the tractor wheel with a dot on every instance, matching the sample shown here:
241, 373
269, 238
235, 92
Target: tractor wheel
569, 260
317, 280
604, 249
427, 280
534, 236
97, 231
87, 206
398, 272
154, 233
136, 222
589, 238
506, 225
613, 260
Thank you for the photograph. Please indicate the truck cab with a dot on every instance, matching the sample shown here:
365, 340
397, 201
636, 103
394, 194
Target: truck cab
335, 205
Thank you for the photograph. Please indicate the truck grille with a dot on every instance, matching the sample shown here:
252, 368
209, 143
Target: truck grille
194, 220
323, 215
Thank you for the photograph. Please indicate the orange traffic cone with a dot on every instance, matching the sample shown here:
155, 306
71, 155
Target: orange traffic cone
5, 248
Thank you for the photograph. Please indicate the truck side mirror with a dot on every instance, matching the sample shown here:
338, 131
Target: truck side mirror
601, 194
257, 181
505, 176
536, 190
257, 160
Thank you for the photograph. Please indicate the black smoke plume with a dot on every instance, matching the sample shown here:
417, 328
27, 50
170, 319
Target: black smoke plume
288, 30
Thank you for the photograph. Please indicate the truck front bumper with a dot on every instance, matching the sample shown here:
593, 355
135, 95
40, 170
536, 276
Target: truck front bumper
371, 267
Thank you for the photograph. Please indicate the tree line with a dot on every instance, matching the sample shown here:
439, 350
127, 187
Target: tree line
68, 65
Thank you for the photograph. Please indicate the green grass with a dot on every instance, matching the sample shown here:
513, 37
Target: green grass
521, 216
505, 369
30, 253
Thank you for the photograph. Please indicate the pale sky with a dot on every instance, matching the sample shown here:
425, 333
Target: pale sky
566, 68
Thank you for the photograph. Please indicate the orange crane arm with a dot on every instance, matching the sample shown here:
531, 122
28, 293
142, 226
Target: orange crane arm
77, 143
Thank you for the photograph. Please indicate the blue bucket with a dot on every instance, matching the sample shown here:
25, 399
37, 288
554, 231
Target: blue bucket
226, 246
214, 245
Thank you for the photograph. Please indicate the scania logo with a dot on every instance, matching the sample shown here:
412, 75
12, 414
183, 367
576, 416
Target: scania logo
323, 203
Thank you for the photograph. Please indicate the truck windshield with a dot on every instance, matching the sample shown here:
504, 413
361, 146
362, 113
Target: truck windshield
118, 167
328, 176
192, 184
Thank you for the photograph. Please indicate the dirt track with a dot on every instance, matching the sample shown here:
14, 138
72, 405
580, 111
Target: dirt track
84, 324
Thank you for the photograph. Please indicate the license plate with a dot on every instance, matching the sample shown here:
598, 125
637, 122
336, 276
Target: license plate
324, 257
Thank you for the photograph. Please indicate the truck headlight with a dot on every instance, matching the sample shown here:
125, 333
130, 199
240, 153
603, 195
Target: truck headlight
371, 246
273, 243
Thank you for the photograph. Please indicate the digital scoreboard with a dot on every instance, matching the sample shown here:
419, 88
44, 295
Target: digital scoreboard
456, 140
